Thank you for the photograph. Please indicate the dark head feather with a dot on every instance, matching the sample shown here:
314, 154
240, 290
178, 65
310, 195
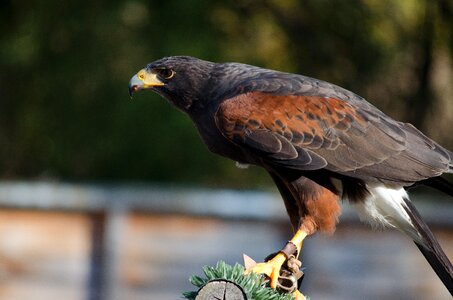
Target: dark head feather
188, 85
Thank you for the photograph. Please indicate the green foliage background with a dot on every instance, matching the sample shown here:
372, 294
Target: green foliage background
65, 65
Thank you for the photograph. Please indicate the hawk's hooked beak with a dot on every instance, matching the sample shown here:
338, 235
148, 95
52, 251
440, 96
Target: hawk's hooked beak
143, 80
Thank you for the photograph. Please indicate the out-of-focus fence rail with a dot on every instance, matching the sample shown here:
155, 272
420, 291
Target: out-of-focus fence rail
108, 205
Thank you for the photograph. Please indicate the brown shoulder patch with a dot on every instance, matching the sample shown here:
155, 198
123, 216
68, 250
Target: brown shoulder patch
304, 120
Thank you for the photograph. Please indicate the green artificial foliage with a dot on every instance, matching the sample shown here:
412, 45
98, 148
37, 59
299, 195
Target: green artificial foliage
254, 285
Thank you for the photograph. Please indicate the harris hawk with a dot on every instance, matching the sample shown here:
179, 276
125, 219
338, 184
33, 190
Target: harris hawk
320, 143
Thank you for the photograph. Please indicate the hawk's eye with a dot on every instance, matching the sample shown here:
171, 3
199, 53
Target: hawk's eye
165, 73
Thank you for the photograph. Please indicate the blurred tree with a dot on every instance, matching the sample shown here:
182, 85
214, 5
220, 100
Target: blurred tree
64, 68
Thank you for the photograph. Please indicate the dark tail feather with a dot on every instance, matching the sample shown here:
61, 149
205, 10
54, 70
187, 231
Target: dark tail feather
431, 249
439, 266
440, 184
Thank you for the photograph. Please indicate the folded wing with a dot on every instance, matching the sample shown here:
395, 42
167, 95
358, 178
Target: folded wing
311, 132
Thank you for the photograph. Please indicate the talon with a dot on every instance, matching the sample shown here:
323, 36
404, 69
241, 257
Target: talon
270, 268
273, 267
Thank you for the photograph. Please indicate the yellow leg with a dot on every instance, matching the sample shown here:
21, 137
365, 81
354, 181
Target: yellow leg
298, 238
272, 267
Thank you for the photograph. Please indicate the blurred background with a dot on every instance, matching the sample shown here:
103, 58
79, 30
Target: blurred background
107, 198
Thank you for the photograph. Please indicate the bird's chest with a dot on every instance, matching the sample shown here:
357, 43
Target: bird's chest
218, 144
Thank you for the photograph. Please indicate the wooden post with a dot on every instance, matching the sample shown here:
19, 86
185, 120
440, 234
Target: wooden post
97, 258
106, 233
221, 289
